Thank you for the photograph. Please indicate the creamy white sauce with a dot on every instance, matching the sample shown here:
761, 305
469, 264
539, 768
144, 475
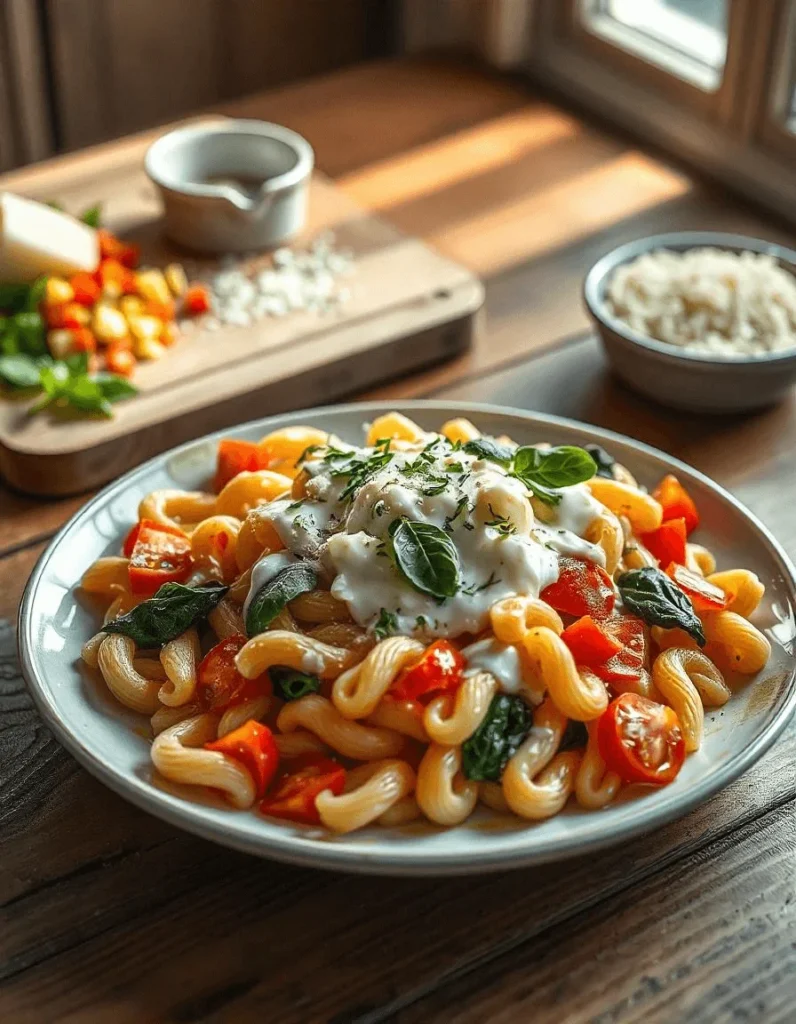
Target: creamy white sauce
501, 660
349, 537
265, 570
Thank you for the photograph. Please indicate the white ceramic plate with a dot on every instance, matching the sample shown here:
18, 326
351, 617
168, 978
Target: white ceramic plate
112, 742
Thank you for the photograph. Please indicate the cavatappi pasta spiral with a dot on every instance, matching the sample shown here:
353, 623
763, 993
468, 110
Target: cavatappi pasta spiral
364, 636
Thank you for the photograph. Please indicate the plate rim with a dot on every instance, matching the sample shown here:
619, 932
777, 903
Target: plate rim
297, 850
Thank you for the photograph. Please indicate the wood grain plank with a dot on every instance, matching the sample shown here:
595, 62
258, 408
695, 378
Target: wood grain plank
709, 940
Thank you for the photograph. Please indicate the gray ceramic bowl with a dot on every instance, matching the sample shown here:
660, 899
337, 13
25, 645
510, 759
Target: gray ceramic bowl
672, 376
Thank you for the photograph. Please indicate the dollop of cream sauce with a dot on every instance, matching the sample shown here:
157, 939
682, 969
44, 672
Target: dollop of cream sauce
348, 537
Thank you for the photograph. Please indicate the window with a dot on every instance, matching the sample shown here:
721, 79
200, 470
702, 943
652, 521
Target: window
713, 82
685, 37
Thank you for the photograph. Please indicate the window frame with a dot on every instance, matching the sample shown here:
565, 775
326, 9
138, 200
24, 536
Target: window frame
730, 133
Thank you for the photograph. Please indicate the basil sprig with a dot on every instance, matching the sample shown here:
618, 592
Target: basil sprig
650, 594
545, 470
489, 449
426, 556
174, 608
290, 684
295, 579
505, 725
605, 462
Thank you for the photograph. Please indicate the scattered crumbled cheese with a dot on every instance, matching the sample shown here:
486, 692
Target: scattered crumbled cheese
708, 300
297, 280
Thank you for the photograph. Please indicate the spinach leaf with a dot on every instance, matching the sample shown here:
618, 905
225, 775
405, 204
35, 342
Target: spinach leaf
289, 684
92, 216
605, 462
296, 578
650, 594
20, 371
505, 726
426, 556
489, 449
174, 608
386, 625
575, 735
113, 387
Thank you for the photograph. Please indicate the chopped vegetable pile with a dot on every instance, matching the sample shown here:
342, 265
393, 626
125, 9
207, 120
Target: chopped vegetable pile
77, 341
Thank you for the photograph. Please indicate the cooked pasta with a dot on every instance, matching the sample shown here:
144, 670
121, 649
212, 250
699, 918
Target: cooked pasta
364, 636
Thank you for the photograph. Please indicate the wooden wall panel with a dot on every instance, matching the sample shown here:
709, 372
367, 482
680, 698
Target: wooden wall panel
119, 66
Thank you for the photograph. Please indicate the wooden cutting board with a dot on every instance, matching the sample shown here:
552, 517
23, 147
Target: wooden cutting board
409, 307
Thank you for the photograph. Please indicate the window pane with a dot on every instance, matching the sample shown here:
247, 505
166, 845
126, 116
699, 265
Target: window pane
686, 37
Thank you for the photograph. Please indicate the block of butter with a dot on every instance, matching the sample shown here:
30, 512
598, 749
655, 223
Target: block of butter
35, 239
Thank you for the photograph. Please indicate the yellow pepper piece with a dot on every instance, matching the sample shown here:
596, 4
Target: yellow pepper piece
148, 348
58, 290
176, 279
131, 305
151, 284
145, 328
108, 324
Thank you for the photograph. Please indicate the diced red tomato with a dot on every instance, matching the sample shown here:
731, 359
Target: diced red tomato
114, 248
294, 796
629, 664
115, 278
158, 556
69, 315
150, 524
237, 457
252, 744
162, 310
641, 740
86, 289
582, 588
667, 543
83, 340
197, 300
590, 642
676, 502
705, 597
438, 671
120, 359
218, 682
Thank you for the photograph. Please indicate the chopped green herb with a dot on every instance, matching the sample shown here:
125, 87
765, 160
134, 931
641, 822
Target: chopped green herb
290, 684
504, 526
461, 505
386, 624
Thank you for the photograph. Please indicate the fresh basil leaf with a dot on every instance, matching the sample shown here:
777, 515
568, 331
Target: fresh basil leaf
296, 578
20, 371
544, 493
77, 363
29, 329
114, 388
426, 556
553, 467
575, 735
289, 684
504, 727
36, 294
54, 378
174, 608
386, 625
85, 394
605, 463
489, 449
650, 594
13, 297
92, 216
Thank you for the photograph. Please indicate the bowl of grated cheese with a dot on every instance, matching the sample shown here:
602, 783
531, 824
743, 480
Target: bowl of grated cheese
702, 321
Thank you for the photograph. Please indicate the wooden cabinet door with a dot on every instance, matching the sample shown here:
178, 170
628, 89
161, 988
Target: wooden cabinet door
122, 65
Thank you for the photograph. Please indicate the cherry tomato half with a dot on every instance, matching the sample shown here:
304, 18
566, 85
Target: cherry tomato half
582, 588
438, 671
705, 597
158, 557
237, 457
667, 543
218, 682
641, 740
294, 796
676, 502
252, 744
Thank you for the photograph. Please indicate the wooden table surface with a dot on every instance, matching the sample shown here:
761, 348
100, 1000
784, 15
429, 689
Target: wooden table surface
107, 914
